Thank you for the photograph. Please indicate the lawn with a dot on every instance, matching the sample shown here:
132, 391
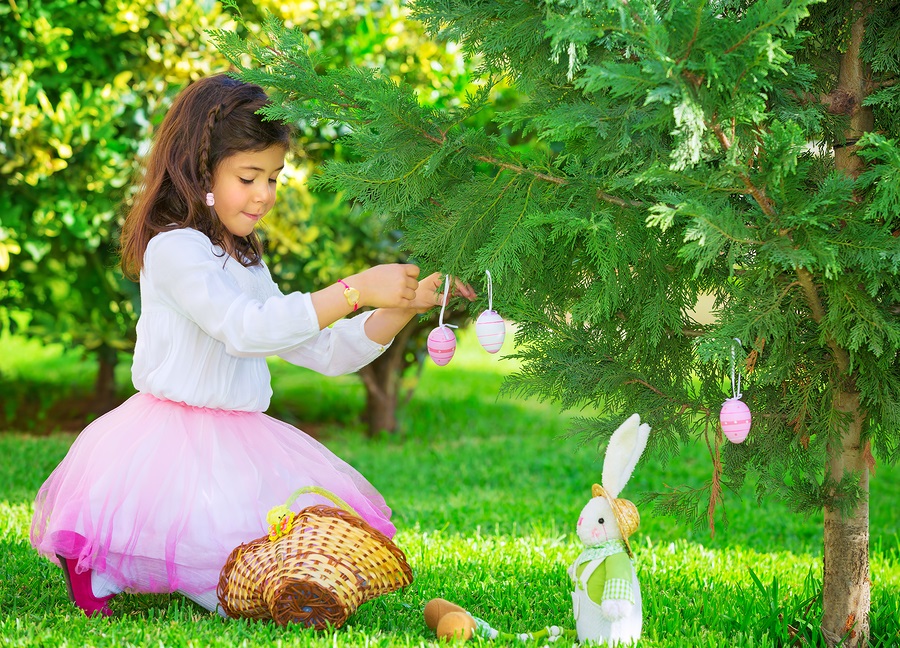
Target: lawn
486, 491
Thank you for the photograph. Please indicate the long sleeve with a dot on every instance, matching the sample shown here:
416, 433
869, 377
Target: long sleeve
340, 349
208, 323
204, 289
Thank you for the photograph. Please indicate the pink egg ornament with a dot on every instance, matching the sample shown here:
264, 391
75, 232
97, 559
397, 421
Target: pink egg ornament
735, 419
490, 330
441, 345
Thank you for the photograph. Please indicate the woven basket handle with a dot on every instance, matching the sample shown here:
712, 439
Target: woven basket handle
324, 493
280, 519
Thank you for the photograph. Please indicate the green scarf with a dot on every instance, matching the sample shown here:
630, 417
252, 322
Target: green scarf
600, 551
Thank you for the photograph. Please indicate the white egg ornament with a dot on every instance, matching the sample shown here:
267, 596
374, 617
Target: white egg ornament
490, 330
441, 345
735, 419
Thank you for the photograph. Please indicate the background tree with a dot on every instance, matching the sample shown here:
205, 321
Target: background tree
746, 150
83, 85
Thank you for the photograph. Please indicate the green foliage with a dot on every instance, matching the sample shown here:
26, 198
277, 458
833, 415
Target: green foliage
82, 83
683, 149
316, 237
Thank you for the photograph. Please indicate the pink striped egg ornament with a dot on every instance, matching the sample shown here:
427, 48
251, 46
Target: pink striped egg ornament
441, 345
735, 419
490, 330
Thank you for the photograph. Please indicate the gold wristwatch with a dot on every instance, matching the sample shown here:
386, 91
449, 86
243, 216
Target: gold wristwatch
351, 294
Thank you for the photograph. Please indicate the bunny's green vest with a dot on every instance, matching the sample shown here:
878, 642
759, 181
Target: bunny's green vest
612, 577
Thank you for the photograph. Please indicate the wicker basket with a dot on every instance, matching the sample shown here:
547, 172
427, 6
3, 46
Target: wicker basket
326, 564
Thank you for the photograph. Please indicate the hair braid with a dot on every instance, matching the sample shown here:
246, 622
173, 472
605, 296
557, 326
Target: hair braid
205, 168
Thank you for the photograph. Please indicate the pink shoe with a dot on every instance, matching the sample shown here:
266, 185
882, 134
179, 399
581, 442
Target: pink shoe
80, 592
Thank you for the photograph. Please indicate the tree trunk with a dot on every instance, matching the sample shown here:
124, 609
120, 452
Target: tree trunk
846, 588
848, 97
105, 385
381, 411
382, 379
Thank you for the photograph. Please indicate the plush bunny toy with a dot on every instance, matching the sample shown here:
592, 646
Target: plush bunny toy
607, 596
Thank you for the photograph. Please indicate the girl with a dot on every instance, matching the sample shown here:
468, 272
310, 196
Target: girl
154, 495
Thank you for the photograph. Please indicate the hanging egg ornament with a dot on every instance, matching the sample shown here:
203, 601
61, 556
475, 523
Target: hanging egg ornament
490, 330
442, 340
735, 419
490, 327
441, 345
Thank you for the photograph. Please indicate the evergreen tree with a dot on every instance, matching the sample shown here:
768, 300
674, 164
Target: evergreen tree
739, 149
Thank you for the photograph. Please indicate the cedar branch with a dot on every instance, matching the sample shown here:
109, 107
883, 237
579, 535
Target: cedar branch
758, 193
817, 309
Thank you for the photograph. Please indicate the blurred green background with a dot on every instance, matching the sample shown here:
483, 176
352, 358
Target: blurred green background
83, 85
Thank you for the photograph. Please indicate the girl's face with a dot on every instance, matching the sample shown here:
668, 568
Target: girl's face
244, 188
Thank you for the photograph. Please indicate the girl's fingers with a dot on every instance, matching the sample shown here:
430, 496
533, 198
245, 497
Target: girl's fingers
463, 290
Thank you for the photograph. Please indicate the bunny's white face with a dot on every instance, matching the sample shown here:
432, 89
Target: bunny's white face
597, 523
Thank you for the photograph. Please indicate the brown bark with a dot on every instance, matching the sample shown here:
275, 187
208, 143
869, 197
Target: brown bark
849, 96
381, 412
846, 587
382, 379
105, 397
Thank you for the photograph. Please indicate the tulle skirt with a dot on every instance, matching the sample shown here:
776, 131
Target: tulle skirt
155, 495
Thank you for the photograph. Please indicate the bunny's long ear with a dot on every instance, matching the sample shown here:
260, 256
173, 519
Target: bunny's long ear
625, 447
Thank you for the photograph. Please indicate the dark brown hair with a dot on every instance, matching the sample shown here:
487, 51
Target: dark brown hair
210, 120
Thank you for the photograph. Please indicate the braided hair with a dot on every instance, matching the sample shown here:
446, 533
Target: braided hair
210, 120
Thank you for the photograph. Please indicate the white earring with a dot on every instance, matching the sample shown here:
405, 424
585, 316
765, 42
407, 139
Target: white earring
210, 199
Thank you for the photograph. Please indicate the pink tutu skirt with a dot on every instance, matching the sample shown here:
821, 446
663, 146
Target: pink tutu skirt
155, 495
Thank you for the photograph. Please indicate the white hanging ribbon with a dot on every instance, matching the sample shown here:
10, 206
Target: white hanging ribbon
444, 305
735, 385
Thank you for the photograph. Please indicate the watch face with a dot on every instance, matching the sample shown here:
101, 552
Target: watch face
352, 295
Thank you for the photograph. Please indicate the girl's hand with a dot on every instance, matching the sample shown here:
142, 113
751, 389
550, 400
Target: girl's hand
430, 292
425, 295
391, 285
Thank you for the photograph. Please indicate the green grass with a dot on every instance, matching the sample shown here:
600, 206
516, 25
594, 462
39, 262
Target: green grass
485, 492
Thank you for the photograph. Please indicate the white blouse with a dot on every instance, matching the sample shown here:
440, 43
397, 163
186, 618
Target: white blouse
207, 324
